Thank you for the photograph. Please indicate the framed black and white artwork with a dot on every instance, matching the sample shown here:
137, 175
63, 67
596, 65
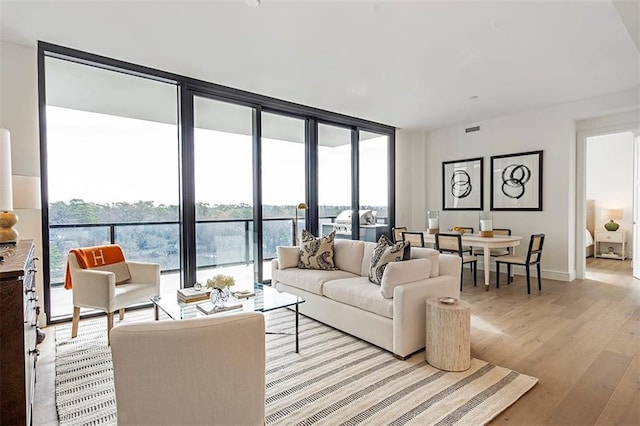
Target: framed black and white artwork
462, 184
516, 181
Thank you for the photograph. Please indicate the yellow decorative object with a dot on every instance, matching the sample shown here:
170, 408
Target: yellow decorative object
8, 235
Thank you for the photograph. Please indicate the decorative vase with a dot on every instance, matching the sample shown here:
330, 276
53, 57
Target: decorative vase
433, 222
486, 224
611, 226
219, 296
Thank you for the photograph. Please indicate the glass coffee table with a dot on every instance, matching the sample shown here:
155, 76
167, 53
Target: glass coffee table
266, 299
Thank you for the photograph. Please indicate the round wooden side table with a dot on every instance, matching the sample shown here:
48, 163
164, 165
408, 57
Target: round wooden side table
448, 330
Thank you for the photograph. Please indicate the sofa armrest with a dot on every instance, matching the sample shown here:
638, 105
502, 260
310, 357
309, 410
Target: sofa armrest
93, 288
275, 266
409, 307
145, 273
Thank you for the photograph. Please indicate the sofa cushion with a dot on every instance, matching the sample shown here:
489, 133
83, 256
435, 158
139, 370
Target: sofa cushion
311, 280
348, 255
360, 293
398, 273
386, 252
428, 253
288, 256
316, 253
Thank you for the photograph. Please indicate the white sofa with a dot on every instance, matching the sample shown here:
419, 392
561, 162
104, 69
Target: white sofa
347, 300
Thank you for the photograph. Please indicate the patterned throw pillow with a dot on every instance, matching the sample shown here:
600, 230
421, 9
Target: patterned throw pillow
386, 252
317, 253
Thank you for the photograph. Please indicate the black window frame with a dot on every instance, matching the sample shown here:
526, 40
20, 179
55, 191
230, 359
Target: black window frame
188, 88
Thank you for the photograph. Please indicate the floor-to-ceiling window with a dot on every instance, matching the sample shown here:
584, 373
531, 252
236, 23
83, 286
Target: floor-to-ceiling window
283, 183
198, 177
334, 180
112, 163
373, 182
223, 172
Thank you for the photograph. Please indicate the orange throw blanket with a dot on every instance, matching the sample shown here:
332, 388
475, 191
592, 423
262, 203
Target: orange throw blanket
99, 257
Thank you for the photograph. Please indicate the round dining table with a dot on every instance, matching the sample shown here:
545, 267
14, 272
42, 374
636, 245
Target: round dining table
486, 243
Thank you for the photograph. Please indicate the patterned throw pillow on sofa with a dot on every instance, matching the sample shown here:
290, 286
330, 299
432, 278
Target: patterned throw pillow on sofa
386, 252
316, 253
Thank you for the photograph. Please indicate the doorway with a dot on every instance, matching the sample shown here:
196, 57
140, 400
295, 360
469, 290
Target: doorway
607, 196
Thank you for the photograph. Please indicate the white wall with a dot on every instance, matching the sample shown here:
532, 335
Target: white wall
552, 130
411, 192
609, 178
540, 130
19, 114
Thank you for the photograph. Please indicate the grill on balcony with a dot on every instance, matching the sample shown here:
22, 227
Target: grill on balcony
343, 224
370, 230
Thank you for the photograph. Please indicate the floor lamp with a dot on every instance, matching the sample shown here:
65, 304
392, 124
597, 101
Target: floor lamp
301, 206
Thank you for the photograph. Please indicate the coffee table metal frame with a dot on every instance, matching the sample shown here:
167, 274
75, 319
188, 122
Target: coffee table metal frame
266, 299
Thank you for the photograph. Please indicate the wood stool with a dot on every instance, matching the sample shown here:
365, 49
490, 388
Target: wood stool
448, 329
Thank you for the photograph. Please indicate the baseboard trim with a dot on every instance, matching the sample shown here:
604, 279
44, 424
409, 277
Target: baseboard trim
546, 274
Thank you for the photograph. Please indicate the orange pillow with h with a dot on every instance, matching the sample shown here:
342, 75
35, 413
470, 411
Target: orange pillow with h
104, 258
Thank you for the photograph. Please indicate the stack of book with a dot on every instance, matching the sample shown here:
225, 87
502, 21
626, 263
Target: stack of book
187, 295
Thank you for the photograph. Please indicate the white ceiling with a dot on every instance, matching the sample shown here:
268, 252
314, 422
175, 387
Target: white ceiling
409, 64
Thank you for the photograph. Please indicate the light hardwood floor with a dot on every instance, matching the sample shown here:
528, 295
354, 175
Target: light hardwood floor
580, 339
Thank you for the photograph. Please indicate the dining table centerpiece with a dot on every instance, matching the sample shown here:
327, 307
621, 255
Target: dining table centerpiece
220, 286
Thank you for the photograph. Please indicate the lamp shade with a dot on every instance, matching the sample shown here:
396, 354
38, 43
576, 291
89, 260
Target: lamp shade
615, 214
26, 192
6, 194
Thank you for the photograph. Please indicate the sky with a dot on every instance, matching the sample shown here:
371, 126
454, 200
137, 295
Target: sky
103, 158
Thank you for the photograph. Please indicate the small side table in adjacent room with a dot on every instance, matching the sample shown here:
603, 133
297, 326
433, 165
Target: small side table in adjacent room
610, 245
448, 335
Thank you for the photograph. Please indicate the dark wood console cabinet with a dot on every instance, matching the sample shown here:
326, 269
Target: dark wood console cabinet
18, 325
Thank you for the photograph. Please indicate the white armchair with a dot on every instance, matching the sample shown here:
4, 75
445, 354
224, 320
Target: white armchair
200, 371
97, 289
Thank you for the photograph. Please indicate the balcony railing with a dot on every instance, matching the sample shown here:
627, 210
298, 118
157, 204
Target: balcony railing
219, 242
221, 245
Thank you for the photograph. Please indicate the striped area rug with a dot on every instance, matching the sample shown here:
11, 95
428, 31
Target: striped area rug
336, 379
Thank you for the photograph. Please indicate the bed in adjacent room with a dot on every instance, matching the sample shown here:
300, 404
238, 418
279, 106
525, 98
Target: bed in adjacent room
591, 223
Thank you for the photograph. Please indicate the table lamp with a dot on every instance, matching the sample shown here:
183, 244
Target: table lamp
8, 218
613, 214
26, 192
26, 195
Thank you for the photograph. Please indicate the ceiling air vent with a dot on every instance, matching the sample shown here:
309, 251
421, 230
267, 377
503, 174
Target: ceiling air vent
472, 129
